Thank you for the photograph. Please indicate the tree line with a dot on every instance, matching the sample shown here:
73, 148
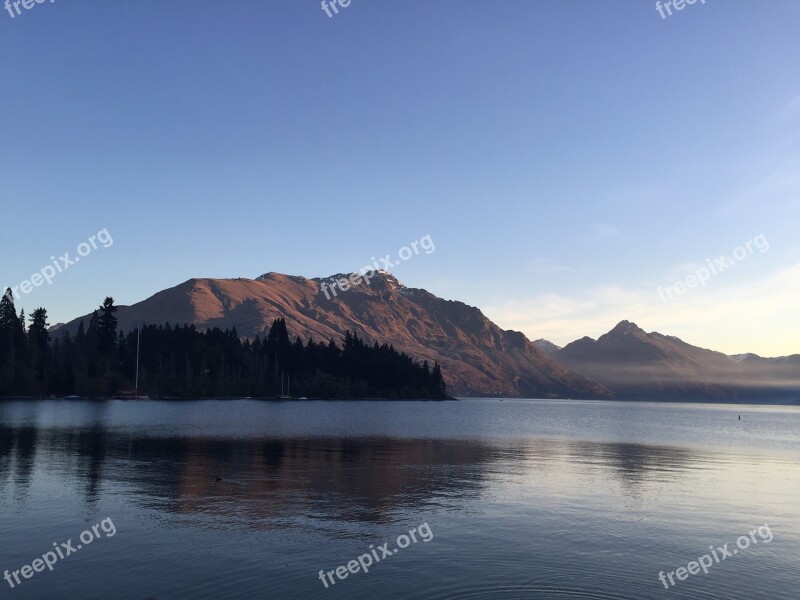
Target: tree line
183, 362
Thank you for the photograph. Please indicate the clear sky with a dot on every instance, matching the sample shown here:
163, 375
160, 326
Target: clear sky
568, 158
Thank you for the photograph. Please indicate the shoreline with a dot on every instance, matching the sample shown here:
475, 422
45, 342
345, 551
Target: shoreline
743, 402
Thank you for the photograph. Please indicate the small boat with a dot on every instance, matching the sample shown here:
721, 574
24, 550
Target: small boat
130, 395
72, 397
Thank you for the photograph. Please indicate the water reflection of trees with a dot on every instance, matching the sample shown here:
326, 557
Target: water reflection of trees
366, 479
256, 480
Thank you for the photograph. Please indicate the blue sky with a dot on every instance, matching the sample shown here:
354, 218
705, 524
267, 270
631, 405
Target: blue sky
567, 158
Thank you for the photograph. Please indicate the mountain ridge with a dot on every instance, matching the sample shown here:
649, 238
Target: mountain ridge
477, 356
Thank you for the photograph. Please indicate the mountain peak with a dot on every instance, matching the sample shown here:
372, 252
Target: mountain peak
546, 346
626, 328
273, 276
379, 280
744, 357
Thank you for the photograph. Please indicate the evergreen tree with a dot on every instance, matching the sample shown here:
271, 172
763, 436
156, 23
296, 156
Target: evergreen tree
39, 347
107, 327
438, 381
37, 332
7, 314
9, 321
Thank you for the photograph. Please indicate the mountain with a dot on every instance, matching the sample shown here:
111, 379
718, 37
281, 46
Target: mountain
546, 346
782, 373
477, 357
651, 366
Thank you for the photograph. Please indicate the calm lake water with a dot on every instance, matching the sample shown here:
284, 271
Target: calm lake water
522, 499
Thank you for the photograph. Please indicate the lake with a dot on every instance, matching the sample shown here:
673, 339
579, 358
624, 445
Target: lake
480, 498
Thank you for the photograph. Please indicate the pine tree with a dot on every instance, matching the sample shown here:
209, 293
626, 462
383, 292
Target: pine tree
438, 381
37, 332
8, 329
107, 327
39, 346
9, 321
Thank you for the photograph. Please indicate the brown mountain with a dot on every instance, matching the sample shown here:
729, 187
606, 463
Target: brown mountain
639, 365
477, 357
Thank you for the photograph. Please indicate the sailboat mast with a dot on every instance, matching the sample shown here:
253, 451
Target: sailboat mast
138, 335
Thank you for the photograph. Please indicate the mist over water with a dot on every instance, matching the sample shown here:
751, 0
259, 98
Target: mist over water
525, 499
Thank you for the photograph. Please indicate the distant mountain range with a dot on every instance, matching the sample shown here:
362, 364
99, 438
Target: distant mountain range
652, 366
477, 357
